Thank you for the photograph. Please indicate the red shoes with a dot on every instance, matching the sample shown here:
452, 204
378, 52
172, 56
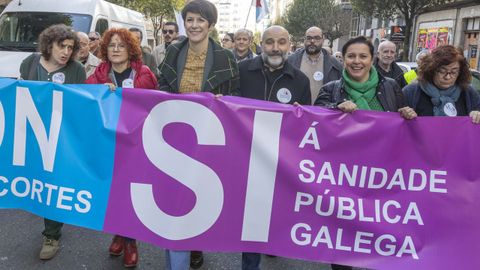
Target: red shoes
130, 258
128, 247
116, 247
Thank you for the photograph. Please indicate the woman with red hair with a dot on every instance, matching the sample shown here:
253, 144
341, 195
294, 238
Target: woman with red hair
122, 67
443, 87
122, 62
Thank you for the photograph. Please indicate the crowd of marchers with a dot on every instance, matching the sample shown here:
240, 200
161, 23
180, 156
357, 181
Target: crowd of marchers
357, 78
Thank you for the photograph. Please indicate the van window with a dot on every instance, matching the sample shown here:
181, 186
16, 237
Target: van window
19, 31
102, 26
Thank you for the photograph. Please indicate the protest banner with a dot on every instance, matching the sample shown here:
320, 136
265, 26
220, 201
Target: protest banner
196, 172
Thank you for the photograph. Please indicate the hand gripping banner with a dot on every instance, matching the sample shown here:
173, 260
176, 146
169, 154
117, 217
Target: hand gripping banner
196, 172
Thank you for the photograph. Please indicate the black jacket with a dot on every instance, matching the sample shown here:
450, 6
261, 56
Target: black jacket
254, 84
412, 95
331, 67
388, 93
396, 73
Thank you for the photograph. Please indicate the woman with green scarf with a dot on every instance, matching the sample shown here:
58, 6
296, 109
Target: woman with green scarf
361, 86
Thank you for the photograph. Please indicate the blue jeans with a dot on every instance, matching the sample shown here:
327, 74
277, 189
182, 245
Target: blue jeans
177, 259
251, 261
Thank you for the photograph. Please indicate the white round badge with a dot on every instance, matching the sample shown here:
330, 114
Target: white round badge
127, 83
58, 77
284, 95
318, 76
450, 109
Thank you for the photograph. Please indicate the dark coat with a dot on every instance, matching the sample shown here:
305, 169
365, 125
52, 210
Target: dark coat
220, 75
413, 90
332, 69
253, 82
388, 93
397, 73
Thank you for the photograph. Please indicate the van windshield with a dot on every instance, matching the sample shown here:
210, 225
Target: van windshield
19, 31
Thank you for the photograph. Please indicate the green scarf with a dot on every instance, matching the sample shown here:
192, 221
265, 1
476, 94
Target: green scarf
363, 93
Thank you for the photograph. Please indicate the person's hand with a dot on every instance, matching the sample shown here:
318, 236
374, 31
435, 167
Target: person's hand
347, 106
218, 95
296, 104
475, 115
111, 86
407, 113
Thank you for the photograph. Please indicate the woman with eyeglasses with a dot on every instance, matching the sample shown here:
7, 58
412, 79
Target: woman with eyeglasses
227, 41
122, 67
122, 63
443, 87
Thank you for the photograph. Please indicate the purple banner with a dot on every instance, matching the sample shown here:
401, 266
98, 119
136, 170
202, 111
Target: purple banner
368, 189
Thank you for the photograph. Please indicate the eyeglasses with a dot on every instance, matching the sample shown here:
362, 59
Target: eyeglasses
316, 38
93, 38
226, 40
168, 31
443, 72
120, 46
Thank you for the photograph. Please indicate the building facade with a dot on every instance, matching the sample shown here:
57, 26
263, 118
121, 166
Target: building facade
456, 23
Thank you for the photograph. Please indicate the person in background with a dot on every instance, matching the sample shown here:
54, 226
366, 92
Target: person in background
57, 45
385, 63
122, 67
147, 58
84, 56
443, 87
338, 56
170, 35
227, 41
242, 44
411, 75
94, 44
197, 64
315, 62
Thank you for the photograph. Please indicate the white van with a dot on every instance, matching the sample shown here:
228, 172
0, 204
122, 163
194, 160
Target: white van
22, 21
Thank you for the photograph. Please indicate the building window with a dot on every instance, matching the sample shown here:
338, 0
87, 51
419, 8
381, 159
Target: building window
473, 24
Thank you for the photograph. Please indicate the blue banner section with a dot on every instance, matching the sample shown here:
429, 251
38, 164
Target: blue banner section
57, 146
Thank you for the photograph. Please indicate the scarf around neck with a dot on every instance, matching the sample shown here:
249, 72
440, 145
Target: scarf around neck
363, 93
443, 100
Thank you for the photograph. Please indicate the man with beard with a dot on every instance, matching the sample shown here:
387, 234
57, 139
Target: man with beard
270, 77
315, 62
242, 42
385, 63
170, 35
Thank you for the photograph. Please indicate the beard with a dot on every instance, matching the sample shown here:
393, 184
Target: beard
313, 49
275, 60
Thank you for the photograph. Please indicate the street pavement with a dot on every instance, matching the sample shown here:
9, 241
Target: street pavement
83, 249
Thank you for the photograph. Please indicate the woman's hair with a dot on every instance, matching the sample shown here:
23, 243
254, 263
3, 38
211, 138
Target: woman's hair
57, 34
231, 35
442, 56
133, 46
357, 40
206, 9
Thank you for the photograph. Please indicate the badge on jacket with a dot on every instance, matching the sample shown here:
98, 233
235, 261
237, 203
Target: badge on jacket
58, 77
284, 95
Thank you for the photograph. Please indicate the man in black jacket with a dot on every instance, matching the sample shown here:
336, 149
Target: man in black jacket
385, 63
270, 77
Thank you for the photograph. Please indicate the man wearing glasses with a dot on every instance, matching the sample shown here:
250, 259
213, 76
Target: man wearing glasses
170, 35
94, 43
315, 62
